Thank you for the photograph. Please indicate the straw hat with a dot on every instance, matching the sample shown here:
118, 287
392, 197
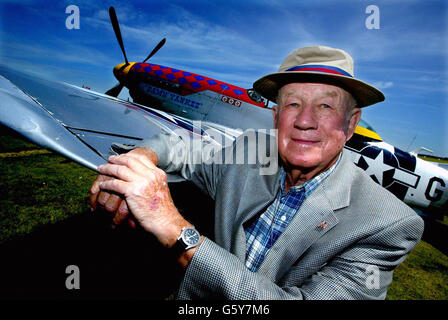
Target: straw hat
323, 65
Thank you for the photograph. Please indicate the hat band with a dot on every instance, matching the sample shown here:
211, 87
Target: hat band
321, 68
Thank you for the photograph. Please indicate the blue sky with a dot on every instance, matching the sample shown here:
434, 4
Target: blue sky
240, 41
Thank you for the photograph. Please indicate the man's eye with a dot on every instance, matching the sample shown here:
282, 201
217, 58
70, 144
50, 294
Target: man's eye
325, 106
294, 104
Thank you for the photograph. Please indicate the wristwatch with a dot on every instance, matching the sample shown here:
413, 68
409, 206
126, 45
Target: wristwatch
189, 238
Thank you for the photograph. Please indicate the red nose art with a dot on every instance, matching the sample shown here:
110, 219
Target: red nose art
191, 81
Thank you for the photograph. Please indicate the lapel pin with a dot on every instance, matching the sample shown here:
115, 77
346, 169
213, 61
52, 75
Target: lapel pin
323, 225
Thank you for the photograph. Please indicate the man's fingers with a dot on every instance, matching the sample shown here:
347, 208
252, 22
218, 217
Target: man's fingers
121, 214
119, 170
95, 186
145, 155
136, 162
113, 203
95, 192
116, 177
115, 185
123, 208
102, 198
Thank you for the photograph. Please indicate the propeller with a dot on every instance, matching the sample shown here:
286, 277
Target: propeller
116, 26
157, 48
115, 91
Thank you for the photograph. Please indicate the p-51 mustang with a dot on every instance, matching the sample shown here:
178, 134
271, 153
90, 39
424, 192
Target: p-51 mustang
87, 126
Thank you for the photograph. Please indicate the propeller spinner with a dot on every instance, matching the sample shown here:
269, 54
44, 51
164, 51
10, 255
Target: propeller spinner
121, 70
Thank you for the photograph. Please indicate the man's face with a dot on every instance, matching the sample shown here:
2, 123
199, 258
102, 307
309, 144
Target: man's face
314, 122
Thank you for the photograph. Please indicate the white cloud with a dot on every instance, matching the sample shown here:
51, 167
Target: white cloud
382, 84
65, 52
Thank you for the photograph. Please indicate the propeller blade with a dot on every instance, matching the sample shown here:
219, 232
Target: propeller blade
115, 91
157, 48
116, 26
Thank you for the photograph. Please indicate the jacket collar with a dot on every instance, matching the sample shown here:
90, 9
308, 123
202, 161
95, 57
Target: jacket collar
337, 186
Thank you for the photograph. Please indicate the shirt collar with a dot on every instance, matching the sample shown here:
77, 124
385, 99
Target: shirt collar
309, 186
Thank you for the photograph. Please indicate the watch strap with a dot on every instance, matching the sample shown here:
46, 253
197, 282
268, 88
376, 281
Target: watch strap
179, 247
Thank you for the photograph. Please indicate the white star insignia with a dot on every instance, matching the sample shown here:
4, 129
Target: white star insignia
376, 167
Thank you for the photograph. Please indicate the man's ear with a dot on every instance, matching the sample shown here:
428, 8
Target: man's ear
354, 120
274, 115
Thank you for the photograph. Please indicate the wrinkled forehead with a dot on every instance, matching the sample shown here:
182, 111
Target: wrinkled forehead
313, 91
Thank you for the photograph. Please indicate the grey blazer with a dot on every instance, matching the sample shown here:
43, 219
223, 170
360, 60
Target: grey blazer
369, 232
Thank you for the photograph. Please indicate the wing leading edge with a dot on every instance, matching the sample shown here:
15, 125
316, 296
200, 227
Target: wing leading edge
80, 124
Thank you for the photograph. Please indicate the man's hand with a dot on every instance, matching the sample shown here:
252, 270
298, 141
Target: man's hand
145, 189
112, 202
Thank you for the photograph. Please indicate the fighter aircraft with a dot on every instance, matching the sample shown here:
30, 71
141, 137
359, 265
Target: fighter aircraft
187, 94
87, 126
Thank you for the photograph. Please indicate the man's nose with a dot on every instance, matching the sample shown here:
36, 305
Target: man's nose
305, 119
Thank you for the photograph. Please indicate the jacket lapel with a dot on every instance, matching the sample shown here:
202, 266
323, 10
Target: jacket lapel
256, 197
314, 219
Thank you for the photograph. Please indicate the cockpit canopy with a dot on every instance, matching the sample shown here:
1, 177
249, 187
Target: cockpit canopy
255, 96
364, 124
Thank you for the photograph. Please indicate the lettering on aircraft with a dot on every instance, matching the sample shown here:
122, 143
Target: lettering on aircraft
231, 101
437, 195
167, 95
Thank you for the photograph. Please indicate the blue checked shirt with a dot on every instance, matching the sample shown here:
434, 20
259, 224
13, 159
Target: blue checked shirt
263, 233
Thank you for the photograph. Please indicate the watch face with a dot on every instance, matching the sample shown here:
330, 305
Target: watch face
191, 236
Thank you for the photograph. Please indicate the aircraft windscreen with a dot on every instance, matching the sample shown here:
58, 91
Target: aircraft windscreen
364, 124
255, 96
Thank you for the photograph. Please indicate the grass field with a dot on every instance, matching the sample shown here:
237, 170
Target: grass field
433, 159
46, 224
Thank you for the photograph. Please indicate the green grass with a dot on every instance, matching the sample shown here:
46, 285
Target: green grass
38, 189
9, 142
433, 159
422, 276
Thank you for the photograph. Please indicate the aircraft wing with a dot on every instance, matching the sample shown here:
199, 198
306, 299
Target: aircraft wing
80, 124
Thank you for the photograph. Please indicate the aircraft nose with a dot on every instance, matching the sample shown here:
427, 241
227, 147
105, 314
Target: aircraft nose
121, 70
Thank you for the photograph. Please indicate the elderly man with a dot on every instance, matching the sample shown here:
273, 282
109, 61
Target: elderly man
319, 228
